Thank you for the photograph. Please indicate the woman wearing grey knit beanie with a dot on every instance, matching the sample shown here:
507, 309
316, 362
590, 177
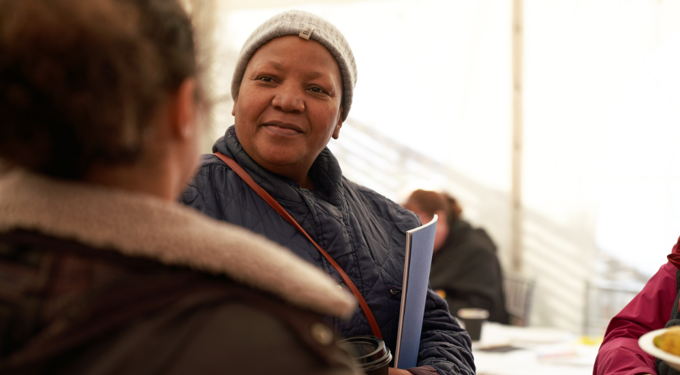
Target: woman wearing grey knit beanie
292, 89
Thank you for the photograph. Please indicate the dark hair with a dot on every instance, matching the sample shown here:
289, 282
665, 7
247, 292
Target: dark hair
81, 79
429, 202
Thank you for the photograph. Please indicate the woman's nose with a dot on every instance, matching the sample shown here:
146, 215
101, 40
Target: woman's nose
289, 99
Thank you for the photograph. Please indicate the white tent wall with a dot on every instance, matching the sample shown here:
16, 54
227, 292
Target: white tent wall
435, 76
641, 164
579, 56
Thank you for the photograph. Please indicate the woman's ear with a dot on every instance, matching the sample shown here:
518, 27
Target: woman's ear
233, 109
336, 131
185, 109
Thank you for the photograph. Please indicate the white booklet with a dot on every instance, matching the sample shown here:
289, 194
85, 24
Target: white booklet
417, 262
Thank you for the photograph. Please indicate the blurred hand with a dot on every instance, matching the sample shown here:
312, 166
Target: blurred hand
397, 371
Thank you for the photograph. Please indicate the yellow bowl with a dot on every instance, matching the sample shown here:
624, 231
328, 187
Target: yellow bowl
646, 343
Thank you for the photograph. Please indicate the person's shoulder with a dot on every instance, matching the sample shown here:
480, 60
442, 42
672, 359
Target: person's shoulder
382, 205
472, 236
370, 195
210, 170
211, 160
482, 239
668, 270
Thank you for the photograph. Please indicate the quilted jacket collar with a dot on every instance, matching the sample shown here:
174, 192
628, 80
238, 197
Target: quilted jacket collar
144, 226
325, 172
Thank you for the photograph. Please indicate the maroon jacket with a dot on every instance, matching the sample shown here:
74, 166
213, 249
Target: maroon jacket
620, 353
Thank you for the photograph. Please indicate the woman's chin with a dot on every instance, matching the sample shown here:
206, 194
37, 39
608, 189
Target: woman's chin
279, 155
278, 162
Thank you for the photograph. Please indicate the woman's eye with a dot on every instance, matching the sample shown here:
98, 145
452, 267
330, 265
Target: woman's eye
265, 79
317, 90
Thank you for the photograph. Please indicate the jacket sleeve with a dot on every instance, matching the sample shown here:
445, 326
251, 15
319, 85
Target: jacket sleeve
649, 310
444, 345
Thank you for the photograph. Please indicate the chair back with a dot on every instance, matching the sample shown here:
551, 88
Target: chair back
518, 294
603, 301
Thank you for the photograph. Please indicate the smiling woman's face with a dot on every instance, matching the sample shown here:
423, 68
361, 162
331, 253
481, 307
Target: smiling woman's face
289, 106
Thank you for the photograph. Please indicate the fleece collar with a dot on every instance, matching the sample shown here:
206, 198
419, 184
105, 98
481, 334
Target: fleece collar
145, 226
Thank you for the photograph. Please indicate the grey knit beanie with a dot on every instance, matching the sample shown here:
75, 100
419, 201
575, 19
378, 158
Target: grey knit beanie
307, 26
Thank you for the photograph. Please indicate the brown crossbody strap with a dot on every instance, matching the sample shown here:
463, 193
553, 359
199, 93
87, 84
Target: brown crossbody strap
282, 211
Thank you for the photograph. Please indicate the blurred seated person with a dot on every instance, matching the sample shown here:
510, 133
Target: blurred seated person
293, 87
465, 269
101, 271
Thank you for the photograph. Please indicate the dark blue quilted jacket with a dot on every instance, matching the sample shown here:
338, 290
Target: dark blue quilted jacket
363, 231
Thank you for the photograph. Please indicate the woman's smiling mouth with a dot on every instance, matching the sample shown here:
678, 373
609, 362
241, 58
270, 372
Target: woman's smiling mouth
283, 129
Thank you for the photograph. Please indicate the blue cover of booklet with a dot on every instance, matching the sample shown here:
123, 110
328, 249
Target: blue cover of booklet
419, 249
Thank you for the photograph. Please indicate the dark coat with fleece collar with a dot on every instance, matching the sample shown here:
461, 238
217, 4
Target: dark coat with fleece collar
104, 281
363, 231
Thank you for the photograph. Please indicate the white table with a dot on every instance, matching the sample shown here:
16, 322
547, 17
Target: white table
541, 351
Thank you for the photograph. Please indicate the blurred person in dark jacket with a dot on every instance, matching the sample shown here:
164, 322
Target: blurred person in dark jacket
465, 268
101, 271
293, 87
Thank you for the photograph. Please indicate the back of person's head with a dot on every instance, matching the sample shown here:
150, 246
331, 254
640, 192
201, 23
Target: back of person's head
80, 80
431, 202
453, 208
